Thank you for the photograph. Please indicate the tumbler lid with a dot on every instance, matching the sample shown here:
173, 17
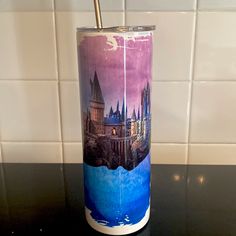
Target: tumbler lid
119, 29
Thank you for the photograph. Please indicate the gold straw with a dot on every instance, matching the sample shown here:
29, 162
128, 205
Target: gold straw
98, 14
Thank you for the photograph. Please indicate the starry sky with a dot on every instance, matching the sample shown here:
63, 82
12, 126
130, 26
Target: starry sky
115, 58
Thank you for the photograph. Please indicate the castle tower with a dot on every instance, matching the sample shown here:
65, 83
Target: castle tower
96, 105
123, 111
139, 124
133, 123
145, 110
145, 102
148, 98
142, 104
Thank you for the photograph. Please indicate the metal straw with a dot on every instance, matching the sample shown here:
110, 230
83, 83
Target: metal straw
98, 14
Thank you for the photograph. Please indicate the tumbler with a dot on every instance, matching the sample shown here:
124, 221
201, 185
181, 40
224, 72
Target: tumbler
115, 72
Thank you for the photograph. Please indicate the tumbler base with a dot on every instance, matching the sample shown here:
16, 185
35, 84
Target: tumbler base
117, 230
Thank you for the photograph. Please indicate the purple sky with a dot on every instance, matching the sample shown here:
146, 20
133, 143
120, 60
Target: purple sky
105, 54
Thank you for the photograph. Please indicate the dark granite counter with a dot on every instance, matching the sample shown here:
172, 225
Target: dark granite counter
44, 199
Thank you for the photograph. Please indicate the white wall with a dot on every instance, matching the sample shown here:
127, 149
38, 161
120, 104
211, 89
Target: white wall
194, 81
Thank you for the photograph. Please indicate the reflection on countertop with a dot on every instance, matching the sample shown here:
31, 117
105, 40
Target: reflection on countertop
41, 199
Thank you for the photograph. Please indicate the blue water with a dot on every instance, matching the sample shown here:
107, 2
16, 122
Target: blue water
118, 196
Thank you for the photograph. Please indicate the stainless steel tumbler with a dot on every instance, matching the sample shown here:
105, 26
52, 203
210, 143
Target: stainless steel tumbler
115, 72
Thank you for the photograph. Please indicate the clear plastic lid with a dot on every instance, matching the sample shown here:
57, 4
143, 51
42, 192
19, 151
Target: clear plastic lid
119, 29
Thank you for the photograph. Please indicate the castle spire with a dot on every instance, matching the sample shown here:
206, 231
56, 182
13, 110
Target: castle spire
133, 117
96, 92
148, 87
117, 106
111, 112
138, 114
123, 111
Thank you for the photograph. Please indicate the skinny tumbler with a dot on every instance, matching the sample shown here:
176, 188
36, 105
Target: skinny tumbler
115, 72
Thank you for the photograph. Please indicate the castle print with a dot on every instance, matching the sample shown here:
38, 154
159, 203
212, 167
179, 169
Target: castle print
116, 139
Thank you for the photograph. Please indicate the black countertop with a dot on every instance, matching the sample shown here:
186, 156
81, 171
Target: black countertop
44, 199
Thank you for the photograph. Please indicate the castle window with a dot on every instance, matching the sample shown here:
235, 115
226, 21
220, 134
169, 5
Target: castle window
113, 131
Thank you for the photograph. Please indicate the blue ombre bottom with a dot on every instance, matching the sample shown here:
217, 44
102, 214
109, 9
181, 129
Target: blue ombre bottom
117, 197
